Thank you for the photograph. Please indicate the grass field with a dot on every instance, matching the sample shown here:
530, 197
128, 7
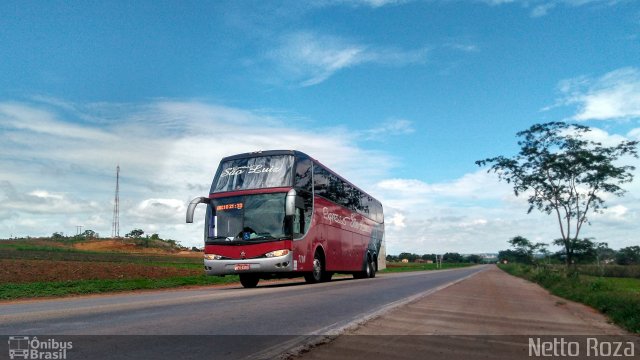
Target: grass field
401, 267
77, 287
618, 298
45, 268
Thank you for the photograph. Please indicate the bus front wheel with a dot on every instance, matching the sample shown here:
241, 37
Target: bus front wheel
317, 275
249, 280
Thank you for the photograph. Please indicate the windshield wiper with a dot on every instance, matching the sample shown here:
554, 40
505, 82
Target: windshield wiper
217, 239
262, 237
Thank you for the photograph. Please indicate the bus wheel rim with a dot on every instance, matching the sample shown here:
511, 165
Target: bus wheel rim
316, 268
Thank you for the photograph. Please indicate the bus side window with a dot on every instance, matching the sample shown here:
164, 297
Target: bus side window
302, 220
303, 175
320, 181
298, 222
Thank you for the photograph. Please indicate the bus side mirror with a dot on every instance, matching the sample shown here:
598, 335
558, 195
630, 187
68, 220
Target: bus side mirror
192, 207
290, 203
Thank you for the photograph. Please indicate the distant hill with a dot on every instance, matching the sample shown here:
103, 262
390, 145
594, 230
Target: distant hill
142, 245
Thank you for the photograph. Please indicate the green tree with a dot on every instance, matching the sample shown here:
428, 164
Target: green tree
604, 254
135, 233
562, 172
89, 234
524, 250
628, 256
580, 250
474, 259
409, 256
510, 256
431, 257
452, 258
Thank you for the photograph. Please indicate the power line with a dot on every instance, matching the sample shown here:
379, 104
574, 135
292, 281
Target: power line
115, 225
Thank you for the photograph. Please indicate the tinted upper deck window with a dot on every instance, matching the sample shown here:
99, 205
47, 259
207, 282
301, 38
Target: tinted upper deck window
254, 173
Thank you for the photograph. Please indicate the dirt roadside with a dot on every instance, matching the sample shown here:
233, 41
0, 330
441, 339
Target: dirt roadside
490, 315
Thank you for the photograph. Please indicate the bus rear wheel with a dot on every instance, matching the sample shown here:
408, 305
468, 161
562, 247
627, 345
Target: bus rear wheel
249, 280
368, 271
374, 268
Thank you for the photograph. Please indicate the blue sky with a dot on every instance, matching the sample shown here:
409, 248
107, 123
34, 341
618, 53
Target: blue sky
401, 97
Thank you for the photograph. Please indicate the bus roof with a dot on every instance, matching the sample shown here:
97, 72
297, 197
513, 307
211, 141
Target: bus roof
264, 153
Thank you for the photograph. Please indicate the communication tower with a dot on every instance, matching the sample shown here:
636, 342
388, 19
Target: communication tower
115, 225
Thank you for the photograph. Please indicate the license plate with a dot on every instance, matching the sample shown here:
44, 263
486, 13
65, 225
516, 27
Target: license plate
240, 267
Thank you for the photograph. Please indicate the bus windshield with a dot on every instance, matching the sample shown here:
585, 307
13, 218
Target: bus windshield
248, 218
254, 173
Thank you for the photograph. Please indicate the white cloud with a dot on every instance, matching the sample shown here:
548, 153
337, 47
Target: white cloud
46, 195
617, 212
542, 10
309, 59
478, 185
153, 209
169, 150
539, 7
43, 123
542, 7
392, 127
498, 2
613, 96
634, 134
40, 202
396, 220
469, 48
369, 3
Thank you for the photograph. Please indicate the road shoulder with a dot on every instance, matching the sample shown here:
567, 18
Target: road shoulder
493, 307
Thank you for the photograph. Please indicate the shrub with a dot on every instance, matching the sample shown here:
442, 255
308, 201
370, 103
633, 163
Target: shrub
620, 303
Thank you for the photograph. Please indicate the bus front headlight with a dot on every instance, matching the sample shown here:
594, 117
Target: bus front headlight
277, 253
212, 257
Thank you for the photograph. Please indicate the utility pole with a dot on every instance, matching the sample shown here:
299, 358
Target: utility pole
115, 225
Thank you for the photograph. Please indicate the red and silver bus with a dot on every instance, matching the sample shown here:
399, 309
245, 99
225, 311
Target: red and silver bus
281, 213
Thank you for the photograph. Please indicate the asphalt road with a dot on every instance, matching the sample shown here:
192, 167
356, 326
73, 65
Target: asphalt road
216, 322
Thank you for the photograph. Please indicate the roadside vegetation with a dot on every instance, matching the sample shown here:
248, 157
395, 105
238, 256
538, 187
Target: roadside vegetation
616, 297
603, 278
78, 287
427, 262
393, 267
450, 257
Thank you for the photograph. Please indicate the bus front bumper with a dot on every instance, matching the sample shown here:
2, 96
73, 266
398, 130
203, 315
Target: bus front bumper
261, 265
